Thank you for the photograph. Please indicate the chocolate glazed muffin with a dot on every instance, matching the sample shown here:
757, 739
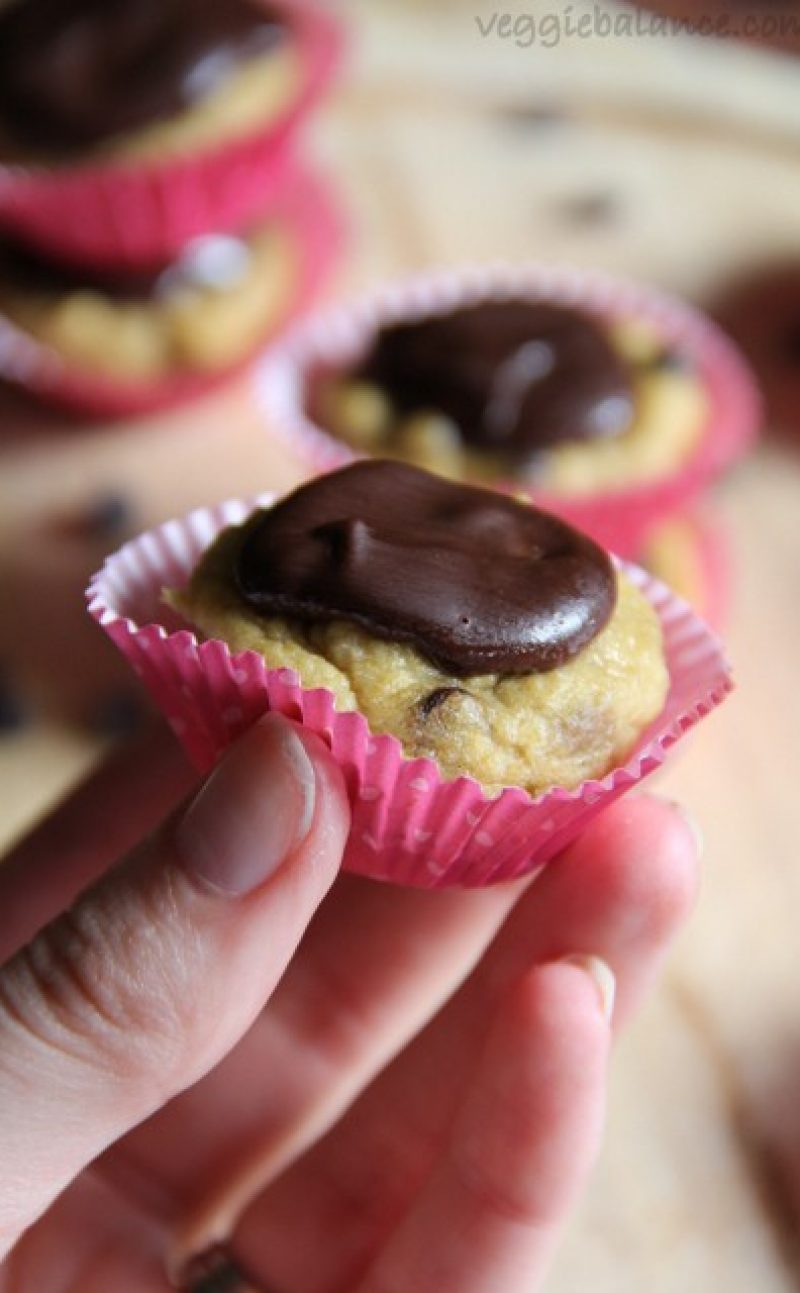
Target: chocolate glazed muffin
108, 78
521, 389
481, 632
201, 313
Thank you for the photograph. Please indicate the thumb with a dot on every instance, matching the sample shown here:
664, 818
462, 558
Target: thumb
141, 988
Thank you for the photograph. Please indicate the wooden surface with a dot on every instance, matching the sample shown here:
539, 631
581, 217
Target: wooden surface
676, 161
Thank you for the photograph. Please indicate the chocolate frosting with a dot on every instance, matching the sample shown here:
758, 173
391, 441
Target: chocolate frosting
476, 581
74, 73
515, 376
211, 261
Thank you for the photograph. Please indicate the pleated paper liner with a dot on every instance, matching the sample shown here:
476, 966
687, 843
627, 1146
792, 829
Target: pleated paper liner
617, 518
410, 825
142, 213
307, 207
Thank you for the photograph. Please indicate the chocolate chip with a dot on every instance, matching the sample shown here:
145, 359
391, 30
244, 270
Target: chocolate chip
670, 361
438, 697
105, 518
13, 710
534, 116
108, 516
600, 208
790, 344
118, 714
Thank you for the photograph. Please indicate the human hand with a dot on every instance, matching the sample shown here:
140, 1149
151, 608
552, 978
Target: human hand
418, 1105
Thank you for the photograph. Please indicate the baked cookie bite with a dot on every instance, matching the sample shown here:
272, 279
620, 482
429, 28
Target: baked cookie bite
88, 80
544, 393
202, 313
481, 632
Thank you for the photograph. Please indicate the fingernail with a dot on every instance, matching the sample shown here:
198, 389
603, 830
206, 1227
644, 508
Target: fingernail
252, 812
603, 978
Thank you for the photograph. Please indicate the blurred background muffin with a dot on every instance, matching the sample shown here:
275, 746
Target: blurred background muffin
203, 311
84, 78
113, 341
609, 403
95, 97
126, 130
520, 389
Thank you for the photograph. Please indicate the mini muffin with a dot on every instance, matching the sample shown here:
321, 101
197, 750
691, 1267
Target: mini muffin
87, 80
481, 632
201, 314
530, 390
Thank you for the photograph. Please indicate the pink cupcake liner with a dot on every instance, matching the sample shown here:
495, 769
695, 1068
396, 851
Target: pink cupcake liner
410, 825
143, 213
307, 207
619, 518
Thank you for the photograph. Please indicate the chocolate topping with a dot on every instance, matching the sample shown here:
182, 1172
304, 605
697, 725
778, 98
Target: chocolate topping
74, 73
213, 261
515, 376
474, 580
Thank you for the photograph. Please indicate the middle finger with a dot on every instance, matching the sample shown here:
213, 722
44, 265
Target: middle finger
619, 893
375, 966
